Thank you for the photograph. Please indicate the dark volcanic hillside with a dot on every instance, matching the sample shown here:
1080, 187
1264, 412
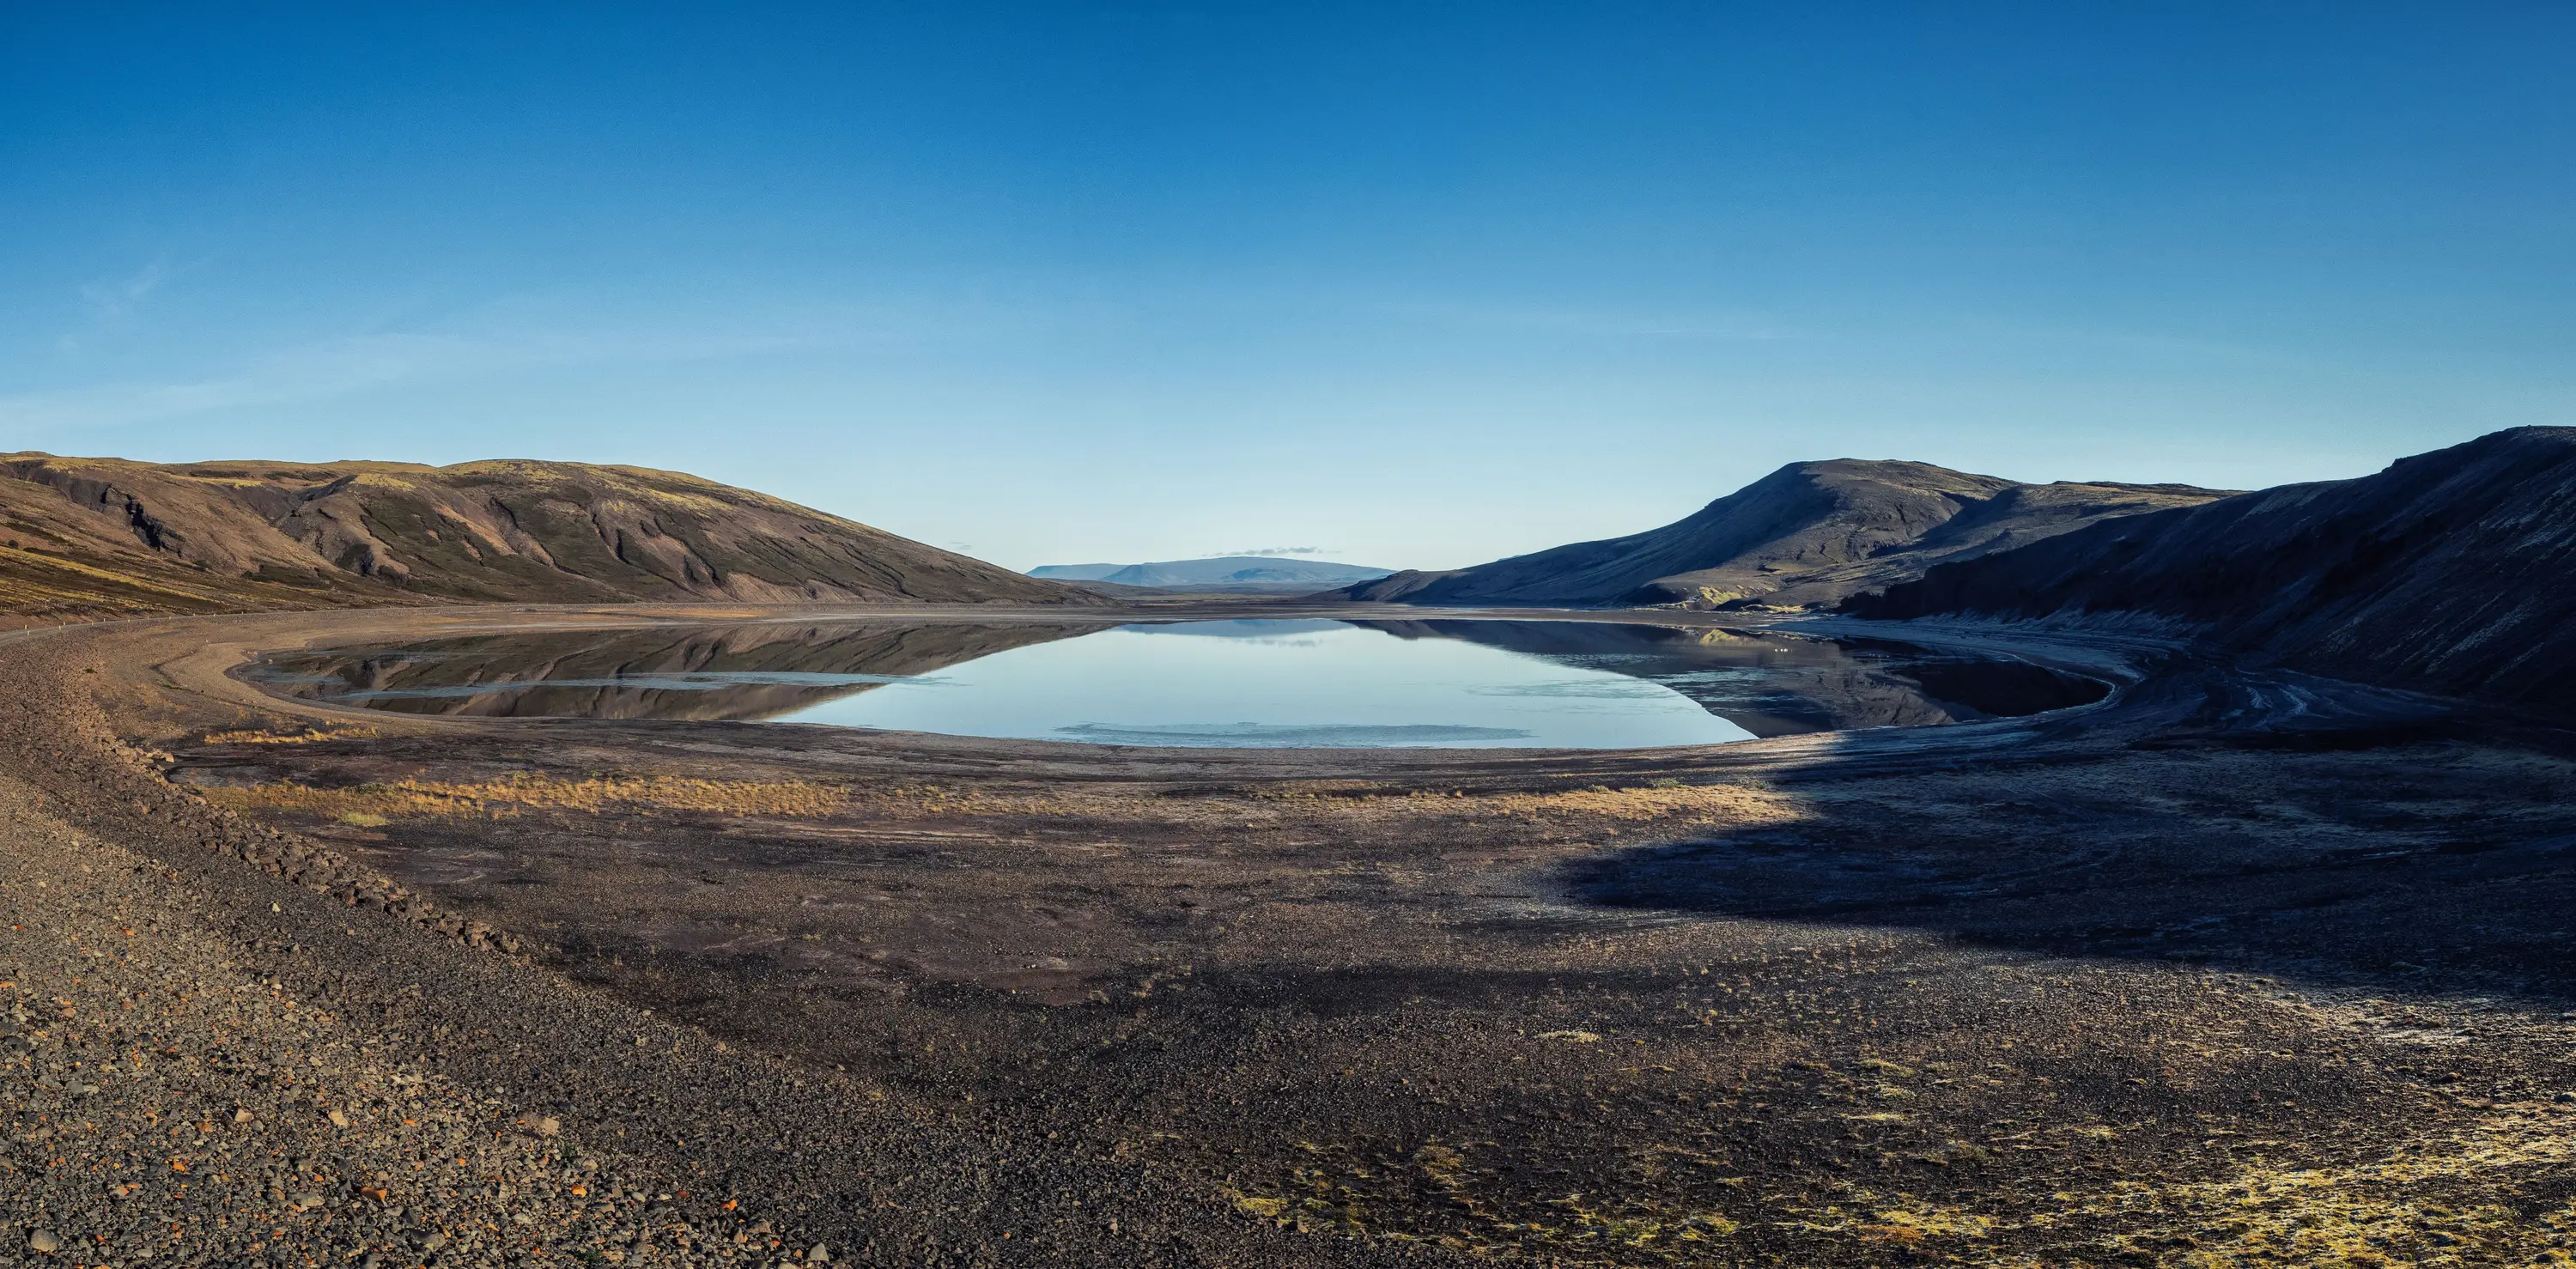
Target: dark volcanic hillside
2450, 572
87, 538
1807, 534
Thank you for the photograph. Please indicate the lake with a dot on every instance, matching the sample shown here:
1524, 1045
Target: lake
1244, 683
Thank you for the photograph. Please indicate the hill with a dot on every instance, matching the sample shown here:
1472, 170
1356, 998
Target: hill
2450, 572
1075, 572
1803, 536
1219, 571
88, 538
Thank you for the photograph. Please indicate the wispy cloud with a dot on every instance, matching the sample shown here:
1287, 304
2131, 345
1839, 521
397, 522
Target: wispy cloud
357, 363
520, 333
1265, 550
1571, 320
113, 299
110, 304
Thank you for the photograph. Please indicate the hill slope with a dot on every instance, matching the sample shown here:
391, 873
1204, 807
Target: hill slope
97, 537
2451, 572
1807, 534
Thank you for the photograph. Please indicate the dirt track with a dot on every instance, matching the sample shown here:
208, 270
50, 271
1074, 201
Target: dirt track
2233, 969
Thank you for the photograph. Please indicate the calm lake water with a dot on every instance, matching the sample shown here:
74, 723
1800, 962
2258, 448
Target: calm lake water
1329, 684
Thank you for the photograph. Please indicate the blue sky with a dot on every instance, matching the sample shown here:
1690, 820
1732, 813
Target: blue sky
1412, 285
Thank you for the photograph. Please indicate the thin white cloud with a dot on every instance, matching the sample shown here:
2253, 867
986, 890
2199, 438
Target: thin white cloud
357, 363
1714, 325
110, 304
510, 335
113, 299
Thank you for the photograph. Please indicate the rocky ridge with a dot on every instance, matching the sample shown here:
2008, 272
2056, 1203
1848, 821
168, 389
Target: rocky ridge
1804, 536
2451, 572
85, 538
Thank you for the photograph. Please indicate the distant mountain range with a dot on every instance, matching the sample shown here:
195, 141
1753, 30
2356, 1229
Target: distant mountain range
2450, 572
1224, 571
88, 538
1804, 536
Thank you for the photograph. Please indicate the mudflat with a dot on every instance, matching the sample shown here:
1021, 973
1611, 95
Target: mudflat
2229, 968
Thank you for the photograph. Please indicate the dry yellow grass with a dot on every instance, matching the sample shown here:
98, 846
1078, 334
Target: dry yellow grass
1338, 803
309, 735
1641, 806
1702, 803
2431, 1202
526, 793
2436, 1200
64, 564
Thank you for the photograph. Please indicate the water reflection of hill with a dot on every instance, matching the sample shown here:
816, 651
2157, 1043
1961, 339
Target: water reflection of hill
700, 673
1770, 684
1779, 685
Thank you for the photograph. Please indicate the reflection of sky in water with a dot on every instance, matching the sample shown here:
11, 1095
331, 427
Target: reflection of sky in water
1266, 736
1241, 628
1324, 684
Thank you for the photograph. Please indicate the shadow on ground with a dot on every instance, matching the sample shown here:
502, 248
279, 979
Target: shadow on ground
2397, 858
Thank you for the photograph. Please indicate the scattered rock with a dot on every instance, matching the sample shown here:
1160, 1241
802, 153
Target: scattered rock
44, 1242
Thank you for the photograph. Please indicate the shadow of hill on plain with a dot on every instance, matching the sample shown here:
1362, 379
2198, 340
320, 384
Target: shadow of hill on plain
2392, 850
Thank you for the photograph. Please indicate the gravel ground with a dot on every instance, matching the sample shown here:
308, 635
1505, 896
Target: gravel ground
166, 1100
172, 966
190, 1072
2166, 985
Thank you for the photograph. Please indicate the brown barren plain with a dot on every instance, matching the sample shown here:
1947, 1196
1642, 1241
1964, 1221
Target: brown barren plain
2231, 969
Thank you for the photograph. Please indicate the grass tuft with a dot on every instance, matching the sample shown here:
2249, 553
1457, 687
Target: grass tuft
497, 798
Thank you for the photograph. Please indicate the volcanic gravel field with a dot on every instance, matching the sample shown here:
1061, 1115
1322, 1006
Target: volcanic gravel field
2233, 968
